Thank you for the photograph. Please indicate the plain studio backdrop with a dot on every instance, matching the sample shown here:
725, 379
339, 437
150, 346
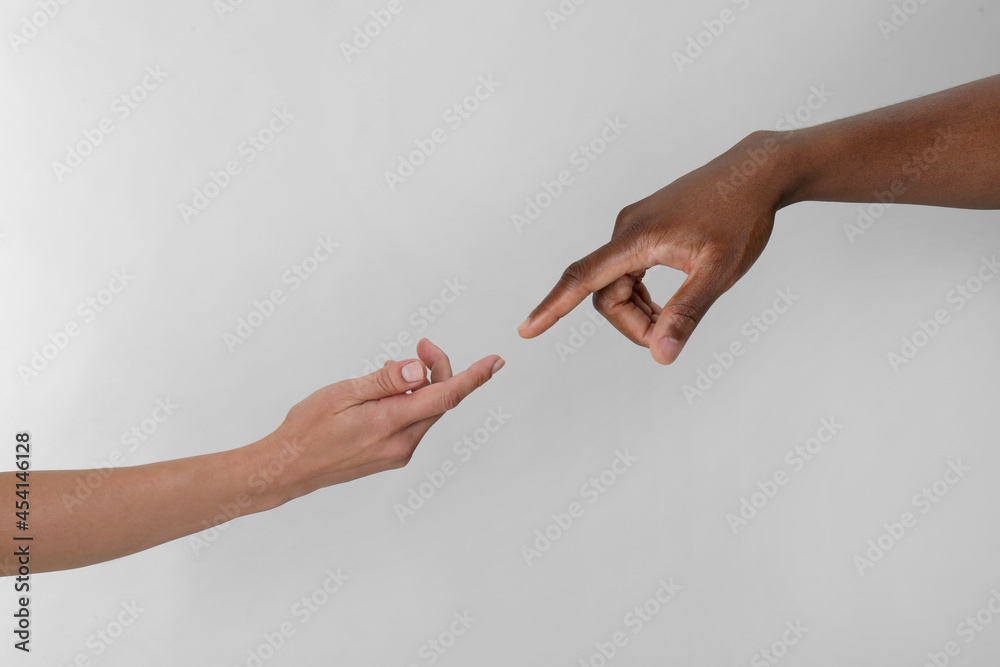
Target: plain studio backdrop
176, 163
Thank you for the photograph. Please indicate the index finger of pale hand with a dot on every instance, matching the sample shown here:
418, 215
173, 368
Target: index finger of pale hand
583, 277
435, 359
440, 397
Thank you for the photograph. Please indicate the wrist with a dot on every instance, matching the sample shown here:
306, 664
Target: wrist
270, 473
802, 160
788, 168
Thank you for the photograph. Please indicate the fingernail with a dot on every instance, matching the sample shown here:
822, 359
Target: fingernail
524, 324
497, 366
670, 349
413, 371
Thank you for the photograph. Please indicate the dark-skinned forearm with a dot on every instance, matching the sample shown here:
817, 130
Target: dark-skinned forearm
938, 150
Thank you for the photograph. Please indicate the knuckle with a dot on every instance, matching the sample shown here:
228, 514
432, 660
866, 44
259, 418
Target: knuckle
450, 399
294, 412
631, 218
574, 275
626, 216
332, 397
396, 464
603, 300
383, 379
686, 313
399, 452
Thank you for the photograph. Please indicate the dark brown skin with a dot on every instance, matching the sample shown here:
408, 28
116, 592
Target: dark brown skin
938, 150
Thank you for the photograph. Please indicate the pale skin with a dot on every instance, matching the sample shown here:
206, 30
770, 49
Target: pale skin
714, 233
339, 433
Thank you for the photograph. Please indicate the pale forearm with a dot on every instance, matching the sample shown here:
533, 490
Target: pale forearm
337, 434
939, 150
82, 517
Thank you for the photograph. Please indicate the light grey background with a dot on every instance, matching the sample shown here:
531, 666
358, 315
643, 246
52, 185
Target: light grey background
666, 516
